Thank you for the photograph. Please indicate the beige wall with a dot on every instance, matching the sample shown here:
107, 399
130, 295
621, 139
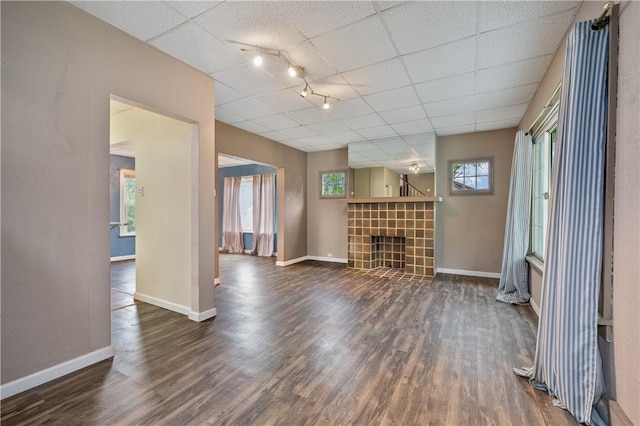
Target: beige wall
326, 218
470, 228
59, 68
627, 199
163, 211
424, 182
362, 183
376, 182
292, 190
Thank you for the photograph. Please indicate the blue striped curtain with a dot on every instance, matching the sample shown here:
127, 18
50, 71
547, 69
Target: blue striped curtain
514, 278
567, 362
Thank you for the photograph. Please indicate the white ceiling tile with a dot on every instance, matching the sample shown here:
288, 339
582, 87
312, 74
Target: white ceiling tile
420, 25
351, 47
496, 125
504, 113
447, 88
141, 19
310, 115
227, 117
249, 79
451, 106
379, 77
363, 121
387, 4
350, 108
297, 145
512, 96
408, 127
307, 56
276, 122
328, 127
393, 99
400, 150
315, 18
390, 144
316, 140
324, 147
498, 14
523, 41
253, 23
191, 9
345, 137
225, 94
276, 136
298, 132
377, 132
284, 100
248, 108
188, 43
363, 148
252, 127
457, 130
403, 114
512, 75
443, 61
454, 120
420, 140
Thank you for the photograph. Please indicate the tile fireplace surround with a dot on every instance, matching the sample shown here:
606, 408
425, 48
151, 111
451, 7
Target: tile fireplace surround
410, 223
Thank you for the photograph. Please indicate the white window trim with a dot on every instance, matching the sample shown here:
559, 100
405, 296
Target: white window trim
456, 192
123, 208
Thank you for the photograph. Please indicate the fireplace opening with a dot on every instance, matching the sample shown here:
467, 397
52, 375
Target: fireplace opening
387, 252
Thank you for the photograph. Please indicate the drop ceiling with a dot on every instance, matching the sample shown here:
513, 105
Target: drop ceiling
403, 71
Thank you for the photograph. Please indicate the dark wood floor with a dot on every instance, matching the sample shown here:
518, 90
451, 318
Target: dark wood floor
311, 343
123, 283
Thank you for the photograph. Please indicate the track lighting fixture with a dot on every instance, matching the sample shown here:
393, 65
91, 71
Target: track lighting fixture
414, 168
293, 71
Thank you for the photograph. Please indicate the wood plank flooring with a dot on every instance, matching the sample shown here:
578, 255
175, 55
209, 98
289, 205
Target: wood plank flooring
123, 284
311, 343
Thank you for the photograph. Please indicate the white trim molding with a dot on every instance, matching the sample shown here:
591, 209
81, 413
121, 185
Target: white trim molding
327, 259
535, 306
292, 261
184, 310
469, 273
202, 316
127, 257
55, 372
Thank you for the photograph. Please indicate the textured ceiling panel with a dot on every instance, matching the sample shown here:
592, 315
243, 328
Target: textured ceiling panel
443, 61
451, 106
454, 120
393, 99
276, 122
141, 19
512, 96
447, 88
409, 127
496, 125
379, 77
377, 132
360, 44
403, 114
420, 25
225, 94
284, 101
363, 121
249, 108
314, 18
512, 75
498, 14
191, 9
248, 79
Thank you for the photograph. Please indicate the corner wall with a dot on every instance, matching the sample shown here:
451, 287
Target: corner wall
470, 228
59, 69
326, 218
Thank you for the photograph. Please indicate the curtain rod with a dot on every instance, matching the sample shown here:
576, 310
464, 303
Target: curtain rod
600, 20
546, 106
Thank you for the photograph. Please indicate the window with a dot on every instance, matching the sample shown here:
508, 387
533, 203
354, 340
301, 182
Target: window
333, 184
544, 143
127, 202
473, 176
246, 203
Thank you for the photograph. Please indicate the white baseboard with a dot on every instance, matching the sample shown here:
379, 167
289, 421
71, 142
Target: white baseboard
127, 257
469, 273
184, 310
535, 306
327, 259
292, 261
52, 373
202, 316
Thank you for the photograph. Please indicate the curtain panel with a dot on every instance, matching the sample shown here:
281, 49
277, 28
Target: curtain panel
263, 215
514, 277
567, 363
231, 224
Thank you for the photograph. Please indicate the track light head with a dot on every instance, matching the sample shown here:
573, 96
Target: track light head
257, 60
325, 105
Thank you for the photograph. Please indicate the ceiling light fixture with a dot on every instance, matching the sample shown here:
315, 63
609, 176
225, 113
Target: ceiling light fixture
414, 168
293, 71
